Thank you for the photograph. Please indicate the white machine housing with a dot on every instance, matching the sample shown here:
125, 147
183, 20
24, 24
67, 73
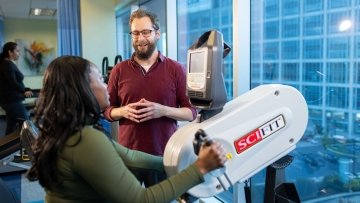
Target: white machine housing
256, 129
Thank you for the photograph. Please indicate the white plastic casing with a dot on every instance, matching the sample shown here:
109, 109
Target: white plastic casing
256, 129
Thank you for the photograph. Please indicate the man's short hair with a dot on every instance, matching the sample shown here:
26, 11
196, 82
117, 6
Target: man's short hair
140, 13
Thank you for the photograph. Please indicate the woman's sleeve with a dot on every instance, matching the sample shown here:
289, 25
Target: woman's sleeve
97, 161
138, 159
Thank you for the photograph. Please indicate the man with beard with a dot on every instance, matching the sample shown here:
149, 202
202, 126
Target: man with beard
147, 94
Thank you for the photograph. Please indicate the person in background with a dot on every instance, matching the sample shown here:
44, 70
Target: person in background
12, 88
147, 94
75, 162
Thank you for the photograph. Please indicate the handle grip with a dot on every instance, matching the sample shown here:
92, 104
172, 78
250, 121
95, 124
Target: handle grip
201, 138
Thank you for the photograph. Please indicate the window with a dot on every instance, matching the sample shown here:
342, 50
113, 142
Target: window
337, 97
316, 122
357, 47
338, 47
255, 71
338, 3
313, 25
256, 51
313, 49
357, 73
290, 72
271, 71
256, 33
356, 119
271, 8
357, 100
357, 22
321, 61
197, 17
271, 30
290, 27
124, 42
335, 19
290, 7
290, 49
312, 6
313, 95
337, 72
271, 50
313, 72
336, 123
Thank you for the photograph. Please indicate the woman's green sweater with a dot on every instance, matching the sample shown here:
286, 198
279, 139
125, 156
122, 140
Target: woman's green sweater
96, 170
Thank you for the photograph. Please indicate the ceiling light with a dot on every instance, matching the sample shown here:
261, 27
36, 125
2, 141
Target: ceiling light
42, 12
37, 11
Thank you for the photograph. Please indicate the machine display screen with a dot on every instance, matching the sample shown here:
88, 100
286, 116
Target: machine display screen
197, 64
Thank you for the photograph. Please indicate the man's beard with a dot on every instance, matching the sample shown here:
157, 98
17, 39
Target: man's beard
144, 55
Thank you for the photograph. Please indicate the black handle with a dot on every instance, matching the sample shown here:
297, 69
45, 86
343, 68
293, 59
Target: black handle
118, 58
105, 64
201, 138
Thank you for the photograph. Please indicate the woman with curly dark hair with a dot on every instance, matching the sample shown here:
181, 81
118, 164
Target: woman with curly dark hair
76, 163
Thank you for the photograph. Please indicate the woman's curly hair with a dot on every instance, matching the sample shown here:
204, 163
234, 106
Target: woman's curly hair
65, 105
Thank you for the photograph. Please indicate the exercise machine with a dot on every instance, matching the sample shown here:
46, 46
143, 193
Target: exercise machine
106, 69
256, 129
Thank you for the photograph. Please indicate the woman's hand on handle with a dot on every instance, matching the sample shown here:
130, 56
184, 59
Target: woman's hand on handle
210, 157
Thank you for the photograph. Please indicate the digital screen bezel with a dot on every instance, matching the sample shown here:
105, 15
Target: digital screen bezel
197, 80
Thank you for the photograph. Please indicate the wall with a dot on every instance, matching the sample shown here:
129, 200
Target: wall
31, 30
98, 30
98, 34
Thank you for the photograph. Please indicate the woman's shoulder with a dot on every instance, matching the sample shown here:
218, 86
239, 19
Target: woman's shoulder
87, 134
7, 64
90, 132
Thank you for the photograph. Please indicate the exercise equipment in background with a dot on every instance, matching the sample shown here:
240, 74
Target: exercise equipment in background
106, 69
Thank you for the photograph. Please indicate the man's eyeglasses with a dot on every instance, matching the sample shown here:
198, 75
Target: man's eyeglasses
145, 33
